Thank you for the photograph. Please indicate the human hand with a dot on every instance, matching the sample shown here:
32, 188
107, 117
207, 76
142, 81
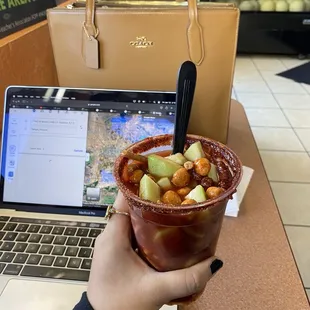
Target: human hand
120, 279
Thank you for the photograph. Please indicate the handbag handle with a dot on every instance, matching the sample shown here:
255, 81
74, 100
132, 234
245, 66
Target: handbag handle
194, 30
89, 24
194, 34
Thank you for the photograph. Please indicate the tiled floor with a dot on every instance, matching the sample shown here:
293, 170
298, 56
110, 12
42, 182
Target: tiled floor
279, 114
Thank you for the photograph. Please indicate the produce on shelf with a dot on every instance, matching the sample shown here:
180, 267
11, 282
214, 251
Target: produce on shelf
236, 2
249, 5
256, 5
267, 6
282, 6
297, 6
273, 5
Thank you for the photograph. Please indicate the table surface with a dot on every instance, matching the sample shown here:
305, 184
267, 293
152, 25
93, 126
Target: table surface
259, 269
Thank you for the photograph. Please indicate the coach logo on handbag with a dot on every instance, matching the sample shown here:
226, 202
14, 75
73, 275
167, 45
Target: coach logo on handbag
141, 42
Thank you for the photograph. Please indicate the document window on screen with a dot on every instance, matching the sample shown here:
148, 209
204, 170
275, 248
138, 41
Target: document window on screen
45, 156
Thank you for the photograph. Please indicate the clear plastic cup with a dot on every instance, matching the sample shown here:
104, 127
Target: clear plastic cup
175, 237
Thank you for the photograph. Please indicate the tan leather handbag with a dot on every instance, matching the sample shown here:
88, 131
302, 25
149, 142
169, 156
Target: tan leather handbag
141, 45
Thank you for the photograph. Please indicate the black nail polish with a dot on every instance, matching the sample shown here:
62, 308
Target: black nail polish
216, 265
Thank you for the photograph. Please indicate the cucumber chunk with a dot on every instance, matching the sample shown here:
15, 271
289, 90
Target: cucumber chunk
162, 167
149, 190
195, 152
164, 183
177, 158
213, 173
198, 194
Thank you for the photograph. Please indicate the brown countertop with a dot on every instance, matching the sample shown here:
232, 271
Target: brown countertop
259, 270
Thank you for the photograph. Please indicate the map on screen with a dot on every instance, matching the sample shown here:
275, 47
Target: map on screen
108, 135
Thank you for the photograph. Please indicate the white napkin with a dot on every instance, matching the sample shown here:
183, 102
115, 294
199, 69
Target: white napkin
166, 307
233, 205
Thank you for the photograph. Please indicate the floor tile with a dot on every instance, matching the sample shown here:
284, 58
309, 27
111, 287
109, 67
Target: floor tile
306, 87
299, 238
268, 63
279, 84
257, 100
286, 166
251, 86
298, 118
266, 117
282, 139
284, 88
304, 136
293, 202
247, 75
270, 76
244, 62
290, 63
293, 101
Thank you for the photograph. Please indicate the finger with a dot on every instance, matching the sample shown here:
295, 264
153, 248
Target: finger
119, 225
188, 281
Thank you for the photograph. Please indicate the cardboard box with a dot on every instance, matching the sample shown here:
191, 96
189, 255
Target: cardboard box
27, 59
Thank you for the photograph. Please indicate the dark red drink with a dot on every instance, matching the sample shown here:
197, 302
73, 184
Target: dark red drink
174, 237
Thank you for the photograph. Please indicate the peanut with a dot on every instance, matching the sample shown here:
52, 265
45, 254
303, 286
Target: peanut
183, 191
181, 178
189, 165
171, 198
136, 176
213, 192
132, 167
135, 166
188, 202
202, 166
197, 177
192, 184
206, 182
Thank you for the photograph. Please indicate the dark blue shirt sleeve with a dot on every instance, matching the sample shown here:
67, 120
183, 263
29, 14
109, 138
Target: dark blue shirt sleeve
83, 303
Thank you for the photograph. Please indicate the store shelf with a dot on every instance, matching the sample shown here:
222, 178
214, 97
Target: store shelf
274, 33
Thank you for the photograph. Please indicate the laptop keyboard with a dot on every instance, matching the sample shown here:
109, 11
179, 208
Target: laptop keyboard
47, 248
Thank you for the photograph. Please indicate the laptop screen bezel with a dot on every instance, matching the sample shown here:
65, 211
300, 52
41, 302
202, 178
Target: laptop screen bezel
92, 95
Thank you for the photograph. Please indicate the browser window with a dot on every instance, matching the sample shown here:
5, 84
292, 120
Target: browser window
46, 156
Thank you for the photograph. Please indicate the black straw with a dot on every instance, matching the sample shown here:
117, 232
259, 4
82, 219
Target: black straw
184, 98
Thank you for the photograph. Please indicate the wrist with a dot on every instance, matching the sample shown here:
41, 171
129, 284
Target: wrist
100, 304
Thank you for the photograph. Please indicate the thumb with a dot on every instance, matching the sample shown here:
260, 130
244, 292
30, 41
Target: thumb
185, 282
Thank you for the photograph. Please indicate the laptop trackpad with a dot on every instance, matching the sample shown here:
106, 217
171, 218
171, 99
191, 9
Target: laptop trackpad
38, 295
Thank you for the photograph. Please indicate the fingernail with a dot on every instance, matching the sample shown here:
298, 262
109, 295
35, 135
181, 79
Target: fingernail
216, 265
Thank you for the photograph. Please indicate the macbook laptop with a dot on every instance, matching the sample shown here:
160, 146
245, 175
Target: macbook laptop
57, 156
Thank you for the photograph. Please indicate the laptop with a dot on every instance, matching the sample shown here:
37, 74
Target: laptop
57, 156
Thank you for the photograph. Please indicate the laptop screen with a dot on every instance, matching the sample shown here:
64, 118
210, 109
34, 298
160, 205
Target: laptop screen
59, 145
